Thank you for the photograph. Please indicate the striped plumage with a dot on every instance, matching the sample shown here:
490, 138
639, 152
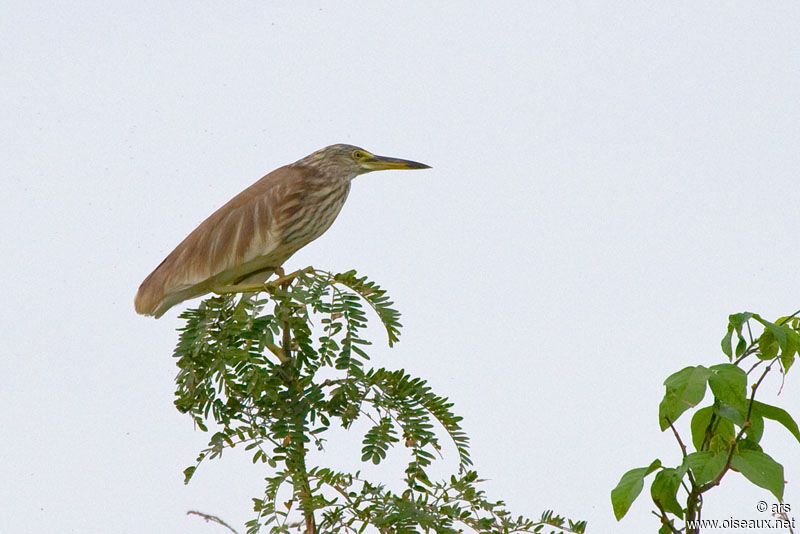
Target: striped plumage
245, 240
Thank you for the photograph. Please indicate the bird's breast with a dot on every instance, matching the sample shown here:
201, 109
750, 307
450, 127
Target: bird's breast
312, 213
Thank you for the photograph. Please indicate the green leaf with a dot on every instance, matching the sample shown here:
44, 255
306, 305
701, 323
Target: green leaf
735, 415
665, 488
419, 399
756, 428
777, 414
629, 487
377, 298
706, 465
792, 335
777, 331
740, 347
719, 444
726, 343
748, 444
729, 384
187, 474
378, 440
787, 359
787, 355
700, 422
761, 470
737, 320
699, 426
767, 345
685, 389
735, 324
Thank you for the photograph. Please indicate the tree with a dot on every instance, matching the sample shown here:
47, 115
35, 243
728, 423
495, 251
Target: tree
725, 434
274, 372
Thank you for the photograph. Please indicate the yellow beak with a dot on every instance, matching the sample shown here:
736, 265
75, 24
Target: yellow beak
382, 163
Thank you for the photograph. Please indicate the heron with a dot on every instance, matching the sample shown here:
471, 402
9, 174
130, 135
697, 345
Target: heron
248, 239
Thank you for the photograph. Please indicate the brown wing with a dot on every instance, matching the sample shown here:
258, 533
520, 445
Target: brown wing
239, 233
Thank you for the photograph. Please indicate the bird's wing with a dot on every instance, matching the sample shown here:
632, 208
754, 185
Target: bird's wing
247, 227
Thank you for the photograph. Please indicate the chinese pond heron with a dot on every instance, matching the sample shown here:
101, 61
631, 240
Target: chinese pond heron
251, 236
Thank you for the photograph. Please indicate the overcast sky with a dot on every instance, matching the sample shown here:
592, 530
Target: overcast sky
610, 180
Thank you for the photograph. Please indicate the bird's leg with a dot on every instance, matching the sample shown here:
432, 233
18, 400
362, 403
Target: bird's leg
237, 288
282, 280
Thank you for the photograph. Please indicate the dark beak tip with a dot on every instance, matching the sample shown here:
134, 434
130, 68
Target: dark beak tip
397, 163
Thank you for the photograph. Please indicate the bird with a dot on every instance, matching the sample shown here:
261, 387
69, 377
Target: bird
250, 237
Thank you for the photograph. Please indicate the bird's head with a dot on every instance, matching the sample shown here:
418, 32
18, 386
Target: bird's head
350, 161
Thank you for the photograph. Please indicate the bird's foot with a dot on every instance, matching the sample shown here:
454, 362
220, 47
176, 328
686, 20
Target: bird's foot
282, 281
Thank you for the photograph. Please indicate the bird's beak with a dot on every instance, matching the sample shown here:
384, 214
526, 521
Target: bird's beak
382, 163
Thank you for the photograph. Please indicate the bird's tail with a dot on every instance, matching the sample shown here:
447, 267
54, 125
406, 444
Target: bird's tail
155, 297
149, 296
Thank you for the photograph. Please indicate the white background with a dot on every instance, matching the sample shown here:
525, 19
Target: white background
610, 180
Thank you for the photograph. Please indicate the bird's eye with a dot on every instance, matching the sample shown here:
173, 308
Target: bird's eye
358, 154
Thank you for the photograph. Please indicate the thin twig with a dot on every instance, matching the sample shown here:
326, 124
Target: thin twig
683, 451
786, 521
748, 352
212, 518
759, 362
664, 519
680, 442
789, 318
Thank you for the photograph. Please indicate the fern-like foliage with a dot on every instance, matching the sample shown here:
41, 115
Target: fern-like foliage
249, 368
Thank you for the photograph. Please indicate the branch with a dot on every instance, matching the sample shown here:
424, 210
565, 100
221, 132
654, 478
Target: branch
299, 471
683, 451
745, 426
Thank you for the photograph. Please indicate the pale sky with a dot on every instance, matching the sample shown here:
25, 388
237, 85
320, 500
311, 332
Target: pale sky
610, 180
